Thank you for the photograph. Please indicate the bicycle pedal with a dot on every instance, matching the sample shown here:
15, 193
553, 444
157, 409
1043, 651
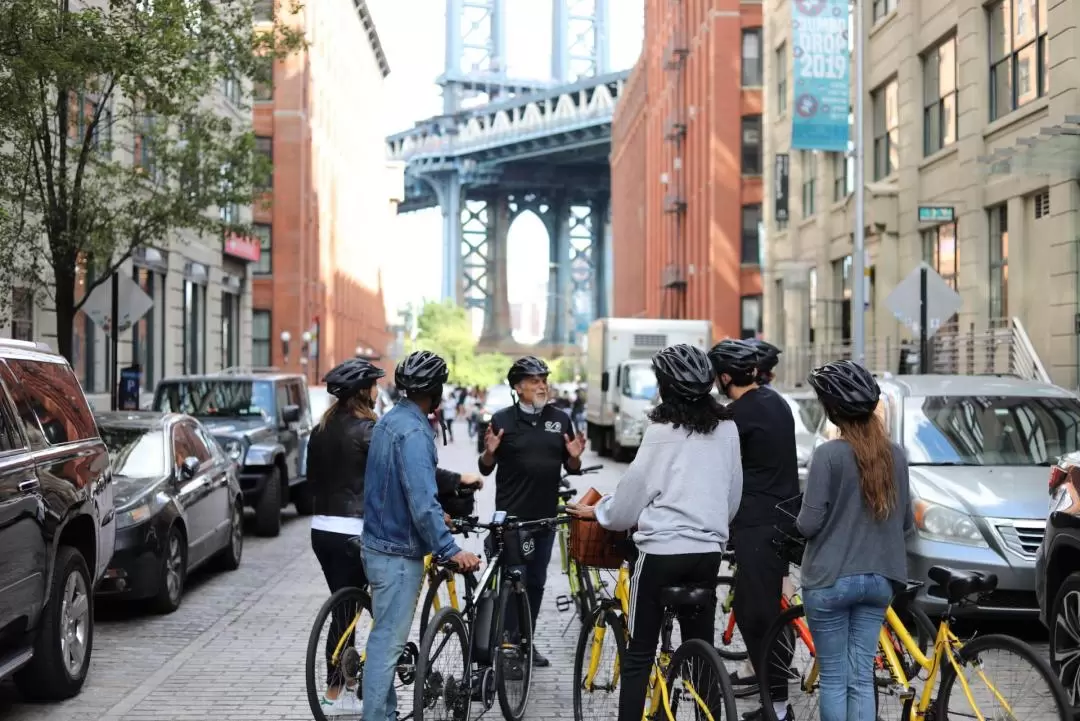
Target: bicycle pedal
563, 603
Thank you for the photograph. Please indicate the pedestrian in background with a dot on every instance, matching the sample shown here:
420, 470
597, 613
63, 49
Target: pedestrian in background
856, 512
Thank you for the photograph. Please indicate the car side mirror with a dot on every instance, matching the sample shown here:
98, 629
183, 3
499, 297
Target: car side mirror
290, 414
189, 468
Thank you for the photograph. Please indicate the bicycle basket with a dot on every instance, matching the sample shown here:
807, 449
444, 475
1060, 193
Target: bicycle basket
519, 546
594, 546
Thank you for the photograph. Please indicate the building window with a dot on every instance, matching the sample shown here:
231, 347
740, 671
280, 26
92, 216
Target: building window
809, 164
840, 306
751, 145
843, 175
751, 234
230, 330
264, 146
233, 90
1018, 54
813, 302
1041, 201
886, 130
263, 86
939, 97
265, 265
22, 314
263, 12
752, 66
144, 142
194, 315
781, 79
883, 8
142, 332
260, 339
939, 252
751, 316
999, 262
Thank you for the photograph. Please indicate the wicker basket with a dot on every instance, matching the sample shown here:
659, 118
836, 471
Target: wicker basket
594, 546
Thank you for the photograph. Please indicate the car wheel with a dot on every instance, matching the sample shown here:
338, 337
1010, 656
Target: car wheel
173, 572
234, 552
303, 499
65, 636
268, 508
1064, 624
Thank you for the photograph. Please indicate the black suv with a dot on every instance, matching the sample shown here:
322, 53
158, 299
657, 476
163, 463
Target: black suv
263, 421
57, 524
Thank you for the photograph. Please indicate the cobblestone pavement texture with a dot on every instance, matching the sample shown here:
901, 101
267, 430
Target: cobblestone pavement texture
235, 649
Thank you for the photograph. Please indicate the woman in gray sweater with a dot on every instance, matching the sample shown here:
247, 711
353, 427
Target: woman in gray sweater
855, 514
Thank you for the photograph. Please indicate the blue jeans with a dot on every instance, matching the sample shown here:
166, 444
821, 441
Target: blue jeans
845, 620
395, 585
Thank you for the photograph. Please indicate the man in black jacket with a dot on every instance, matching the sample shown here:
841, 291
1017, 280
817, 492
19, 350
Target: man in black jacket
531, 442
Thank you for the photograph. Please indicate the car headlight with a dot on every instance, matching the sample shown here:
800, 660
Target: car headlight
939, 523
144, 511
486, 418
234, 449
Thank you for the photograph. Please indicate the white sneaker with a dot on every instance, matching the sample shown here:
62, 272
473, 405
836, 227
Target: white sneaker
344, 705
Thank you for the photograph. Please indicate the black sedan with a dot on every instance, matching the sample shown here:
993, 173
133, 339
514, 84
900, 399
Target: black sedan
178, 505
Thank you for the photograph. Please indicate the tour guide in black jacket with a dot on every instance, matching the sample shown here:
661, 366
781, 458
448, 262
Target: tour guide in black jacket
531, 442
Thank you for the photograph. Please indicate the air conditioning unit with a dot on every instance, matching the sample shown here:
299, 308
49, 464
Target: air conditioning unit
672, 276
674, 204
675, 130
675, 53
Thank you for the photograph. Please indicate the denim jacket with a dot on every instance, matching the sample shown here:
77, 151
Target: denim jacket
402, 515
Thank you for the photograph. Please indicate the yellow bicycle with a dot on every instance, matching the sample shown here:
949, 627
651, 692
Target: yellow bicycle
950, 665
585, 583
691, 677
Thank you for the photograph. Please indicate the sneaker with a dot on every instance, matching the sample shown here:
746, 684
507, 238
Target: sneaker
758, 714
344, 705
539, 660
744, 686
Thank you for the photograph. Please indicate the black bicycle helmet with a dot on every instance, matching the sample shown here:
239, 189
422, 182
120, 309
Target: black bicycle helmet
737, 358
685, 370
846, 389
421, 371
349, 377
769, 355
526, 367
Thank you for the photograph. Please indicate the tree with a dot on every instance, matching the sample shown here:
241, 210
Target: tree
108, 140
444, 328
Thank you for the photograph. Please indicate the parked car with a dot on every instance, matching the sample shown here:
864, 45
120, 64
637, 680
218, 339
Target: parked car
178, 505
263, 421
319, 401
979, 449
57, 527
497, 397
807, 411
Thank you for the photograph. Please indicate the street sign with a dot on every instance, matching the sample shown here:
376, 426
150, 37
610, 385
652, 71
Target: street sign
905, 301
936, 214
134, 303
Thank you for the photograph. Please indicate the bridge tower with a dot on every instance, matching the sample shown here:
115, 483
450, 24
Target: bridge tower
476, 220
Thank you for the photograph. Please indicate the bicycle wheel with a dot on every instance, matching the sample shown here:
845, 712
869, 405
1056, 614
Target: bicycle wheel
602, 680
728, 640
334, 666
698, 682
443, 687
513, 651
437, 598
992, 686
586, 594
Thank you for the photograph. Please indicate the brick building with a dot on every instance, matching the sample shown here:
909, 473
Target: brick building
329, 207
686, 168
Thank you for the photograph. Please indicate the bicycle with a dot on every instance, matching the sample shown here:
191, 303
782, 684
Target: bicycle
664, 689
491, 656
585, 583
943, 666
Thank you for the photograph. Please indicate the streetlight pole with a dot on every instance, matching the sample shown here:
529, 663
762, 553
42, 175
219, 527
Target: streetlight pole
858, 261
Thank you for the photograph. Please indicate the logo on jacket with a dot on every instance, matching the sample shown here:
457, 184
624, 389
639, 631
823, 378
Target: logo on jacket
553, 426
528, 546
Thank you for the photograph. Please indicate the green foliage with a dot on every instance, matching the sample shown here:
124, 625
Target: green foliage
110, 139
445, 329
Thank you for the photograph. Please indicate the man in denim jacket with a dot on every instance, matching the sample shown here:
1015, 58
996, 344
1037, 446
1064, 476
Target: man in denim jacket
403, 522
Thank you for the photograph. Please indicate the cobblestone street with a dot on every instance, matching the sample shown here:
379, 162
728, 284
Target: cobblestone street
234, 651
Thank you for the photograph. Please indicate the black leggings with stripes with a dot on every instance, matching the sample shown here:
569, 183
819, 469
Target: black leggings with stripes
649, 574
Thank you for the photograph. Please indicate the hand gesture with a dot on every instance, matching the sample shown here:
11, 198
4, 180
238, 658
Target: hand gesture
466, 562
575, 446
473, 480
492, 440
578, 510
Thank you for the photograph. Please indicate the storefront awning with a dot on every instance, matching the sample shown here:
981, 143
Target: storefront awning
1055, 149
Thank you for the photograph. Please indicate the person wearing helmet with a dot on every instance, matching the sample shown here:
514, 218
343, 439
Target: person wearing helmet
855, 515
681, 492
403, 522
530, 443
770, 476
769, 357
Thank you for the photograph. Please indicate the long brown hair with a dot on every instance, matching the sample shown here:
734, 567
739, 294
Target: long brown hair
360, 405
873, 455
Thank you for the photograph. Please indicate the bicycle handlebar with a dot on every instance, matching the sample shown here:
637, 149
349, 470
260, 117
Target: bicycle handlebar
472, 523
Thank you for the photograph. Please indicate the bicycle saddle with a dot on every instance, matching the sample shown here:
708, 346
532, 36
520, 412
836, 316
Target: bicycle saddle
567, 494
684, 596
955, 585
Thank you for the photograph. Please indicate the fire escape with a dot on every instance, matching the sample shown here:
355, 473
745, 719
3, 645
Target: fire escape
674, 273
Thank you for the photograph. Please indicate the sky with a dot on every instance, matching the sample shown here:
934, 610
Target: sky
412, 35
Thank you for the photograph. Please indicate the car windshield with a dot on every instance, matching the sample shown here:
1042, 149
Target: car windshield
639, 383
990, 430
135, 452
319, 400
801, 415
216, 398
498, 397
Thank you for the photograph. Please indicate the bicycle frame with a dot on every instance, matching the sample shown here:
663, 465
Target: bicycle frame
785, 603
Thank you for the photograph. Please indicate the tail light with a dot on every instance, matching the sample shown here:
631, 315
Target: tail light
1057, 476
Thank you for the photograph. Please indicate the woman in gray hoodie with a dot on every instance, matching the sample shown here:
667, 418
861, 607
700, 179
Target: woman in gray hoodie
681, 491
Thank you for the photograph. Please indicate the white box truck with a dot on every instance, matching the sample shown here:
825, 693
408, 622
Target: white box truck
621, 383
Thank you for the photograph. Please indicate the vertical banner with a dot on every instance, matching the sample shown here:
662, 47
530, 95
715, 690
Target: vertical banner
780, 189
819, 31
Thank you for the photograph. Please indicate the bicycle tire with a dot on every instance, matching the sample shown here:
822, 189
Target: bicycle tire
727, 648
705, 652
445, 618
925, 633
586, 597
427, 609
514, 592
315, 660
972, 648
584, 645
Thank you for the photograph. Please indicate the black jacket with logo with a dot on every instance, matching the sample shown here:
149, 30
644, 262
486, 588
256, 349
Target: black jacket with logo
529, 461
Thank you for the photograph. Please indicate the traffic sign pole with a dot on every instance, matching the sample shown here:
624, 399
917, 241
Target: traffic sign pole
924, 339
858, 260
